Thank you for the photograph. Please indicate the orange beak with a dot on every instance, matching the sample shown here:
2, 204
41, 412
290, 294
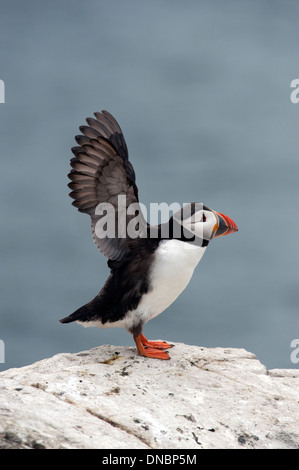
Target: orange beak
225, 225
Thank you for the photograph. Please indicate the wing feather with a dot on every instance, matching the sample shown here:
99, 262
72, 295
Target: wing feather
101, 172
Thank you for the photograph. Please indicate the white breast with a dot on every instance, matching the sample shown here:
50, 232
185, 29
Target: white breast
171, 271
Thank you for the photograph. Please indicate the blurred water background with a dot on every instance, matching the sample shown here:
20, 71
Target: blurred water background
202, 92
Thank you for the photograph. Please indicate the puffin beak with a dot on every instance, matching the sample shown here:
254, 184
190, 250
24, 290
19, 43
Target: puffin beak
225, 225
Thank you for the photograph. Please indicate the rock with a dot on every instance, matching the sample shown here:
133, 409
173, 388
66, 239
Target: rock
110, 398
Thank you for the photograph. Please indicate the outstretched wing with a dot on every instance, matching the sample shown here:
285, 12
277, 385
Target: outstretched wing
103, 185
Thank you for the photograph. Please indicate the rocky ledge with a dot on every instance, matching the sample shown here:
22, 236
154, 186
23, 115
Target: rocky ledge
110, 398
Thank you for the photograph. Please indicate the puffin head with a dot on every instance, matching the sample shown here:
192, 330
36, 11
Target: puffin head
203, 223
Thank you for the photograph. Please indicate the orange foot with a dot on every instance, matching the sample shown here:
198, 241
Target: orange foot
147, 350
155, 344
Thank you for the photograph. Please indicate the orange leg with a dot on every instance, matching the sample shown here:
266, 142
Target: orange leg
149, 351
155, 344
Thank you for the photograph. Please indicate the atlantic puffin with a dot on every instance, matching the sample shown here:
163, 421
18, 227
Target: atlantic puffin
149, 269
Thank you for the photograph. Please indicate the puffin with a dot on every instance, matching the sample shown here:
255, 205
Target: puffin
150, 265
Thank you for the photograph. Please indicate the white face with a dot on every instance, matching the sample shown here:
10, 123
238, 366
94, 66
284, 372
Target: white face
202, 223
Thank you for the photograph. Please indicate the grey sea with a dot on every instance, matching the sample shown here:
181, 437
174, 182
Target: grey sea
202, 91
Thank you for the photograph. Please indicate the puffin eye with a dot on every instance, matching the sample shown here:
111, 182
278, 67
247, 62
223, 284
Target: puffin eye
203, 219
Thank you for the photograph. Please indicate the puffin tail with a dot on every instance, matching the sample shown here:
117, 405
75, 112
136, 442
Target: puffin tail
70, 318
83, 314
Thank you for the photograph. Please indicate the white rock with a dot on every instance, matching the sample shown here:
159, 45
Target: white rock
110, 398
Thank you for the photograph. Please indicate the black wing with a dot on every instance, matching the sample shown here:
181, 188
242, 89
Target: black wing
101, 172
